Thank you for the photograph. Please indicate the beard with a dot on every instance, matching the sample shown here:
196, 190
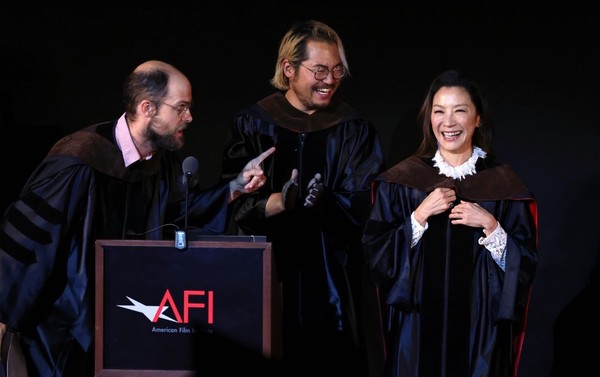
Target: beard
170, 142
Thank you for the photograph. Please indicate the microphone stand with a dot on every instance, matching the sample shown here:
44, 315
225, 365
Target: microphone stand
180, 234
189, 167
187, 192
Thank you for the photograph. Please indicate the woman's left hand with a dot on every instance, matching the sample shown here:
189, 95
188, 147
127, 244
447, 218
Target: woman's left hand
473, 215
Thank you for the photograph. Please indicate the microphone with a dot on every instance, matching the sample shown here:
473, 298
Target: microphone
190, 171
189, 179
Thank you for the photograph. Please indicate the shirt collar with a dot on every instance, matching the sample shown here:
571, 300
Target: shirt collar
125, 142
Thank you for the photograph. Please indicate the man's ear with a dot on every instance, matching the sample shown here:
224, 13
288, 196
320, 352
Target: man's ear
148, 108
288, 69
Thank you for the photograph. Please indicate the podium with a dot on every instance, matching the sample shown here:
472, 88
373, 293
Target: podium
161, 311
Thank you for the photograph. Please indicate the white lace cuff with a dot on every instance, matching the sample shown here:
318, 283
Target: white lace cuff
496, 245
417, 230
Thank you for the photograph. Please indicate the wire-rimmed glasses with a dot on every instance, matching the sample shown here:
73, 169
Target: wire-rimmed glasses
322, 72
181, 108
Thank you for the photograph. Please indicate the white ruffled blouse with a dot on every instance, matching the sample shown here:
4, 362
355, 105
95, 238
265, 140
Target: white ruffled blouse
495, 242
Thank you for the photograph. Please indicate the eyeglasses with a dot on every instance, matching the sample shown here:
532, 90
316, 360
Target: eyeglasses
321, 72
181, 108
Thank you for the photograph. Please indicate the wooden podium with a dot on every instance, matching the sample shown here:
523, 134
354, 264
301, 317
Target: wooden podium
161, 311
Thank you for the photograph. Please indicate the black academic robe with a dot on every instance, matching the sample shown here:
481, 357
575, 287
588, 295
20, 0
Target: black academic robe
317, 251
79, 193
451, 310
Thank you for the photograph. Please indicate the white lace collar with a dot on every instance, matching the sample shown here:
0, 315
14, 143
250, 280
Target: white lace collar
458, 172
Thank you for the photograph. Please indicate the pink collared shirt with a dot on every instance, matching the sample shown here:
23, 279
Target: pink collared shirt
125, 143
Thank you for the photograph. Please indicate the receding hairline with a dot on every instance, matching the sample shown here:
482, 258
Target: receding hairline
152, 65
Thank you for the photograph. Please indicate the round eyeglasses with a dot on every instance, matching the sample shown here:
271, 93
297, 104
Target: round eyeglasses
322, 72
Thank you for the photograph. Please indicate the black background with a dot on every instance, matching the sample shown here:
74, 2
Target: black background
62, 65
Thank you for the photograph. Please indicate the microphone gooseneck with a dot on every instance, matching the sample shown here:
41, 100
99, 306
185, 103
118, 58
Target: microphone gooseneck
190, 169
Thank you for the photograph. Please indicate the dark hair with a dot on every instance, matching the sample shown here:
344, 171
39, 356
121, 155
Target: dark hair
145, 84
482, 137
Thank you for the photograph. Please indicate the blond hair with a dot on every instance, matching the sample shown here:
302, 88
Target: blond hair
293, 48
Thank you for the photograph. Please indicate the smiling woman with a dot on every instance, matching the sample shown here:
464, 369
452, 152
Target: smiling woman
452, 243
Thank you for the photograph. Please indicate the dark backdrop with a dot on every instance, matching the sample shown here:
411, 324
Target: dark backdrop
62, 65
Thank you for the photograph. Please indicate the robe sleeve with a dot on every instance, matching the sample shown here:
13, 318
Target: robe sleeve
521, 259
39, 233
387, 242
248, 138
351, 174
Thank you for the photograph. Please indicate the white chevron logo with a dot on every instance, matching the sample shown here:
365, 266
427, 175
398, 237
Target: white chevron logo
147, 310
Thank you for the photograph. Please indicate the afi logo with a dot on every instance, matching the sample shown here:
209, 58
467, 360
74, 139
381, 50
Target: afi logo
153, 313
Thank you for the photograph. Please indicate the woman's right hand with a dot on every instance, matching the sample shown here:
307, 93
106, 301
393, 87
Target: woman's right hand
439, 200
